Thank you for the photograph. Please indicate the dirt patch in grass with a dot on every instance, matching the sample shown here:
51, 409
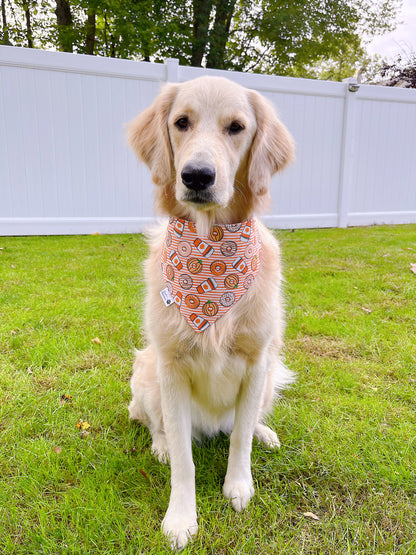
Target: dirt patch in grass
323, 346
44, 383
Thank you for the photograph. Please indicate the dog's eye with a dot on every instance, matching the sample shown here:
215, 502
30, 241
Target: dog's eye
235, 128
182, 124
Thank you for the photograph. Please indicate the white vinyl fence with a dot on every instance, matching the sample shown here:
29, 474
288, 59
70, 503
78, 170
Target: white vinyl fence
65, 167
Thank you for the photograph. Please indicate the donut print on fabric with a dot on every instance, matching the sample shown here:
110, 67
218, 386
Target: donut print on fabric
185, 282
184, 248
231, 281
227, 299
192, 301
216, 233
228, 248
208, 275
194, 265
218, 267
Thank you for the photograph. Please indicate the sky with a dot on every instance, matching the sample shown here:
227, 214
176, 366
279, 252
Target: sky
403, 39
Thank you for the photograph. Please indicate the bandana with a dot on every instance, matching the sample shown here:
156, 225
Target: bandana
206, 276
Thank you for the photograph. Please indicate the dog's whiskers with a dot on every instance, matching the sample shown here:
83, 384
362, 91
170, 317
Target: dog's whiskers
238, 189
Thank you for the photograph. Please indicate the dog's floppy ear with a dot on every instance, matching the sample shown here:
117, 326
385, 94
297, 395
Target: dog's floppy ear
149, 137
272, 146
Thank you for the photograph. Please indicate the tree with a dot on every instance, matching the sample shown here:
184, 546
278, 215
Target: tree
24, 23
5, 30
305, 38
64, 22
288, 37
401, 72
201, 19
224, 10
90, 29
26, 7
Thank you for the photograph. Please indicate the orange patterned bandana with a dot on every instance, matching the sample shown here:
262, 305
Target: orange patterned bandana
206, 276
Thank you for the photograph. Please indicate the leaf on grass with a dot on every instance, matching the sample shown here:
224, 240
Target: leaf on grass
95, 340
143, 473
57, 450
13, 332
82, 425
413, 268
65, 399
311, 515
367, 310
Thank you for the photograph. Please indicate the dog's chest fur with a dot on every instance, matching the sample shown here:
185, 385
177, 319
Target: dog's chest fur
216, 360
215, 382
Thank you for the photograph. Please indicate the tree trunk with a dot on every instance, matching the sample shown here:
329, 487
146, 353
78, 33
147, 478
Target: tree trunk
113, 46
64, 21
26, 8
90, 32
105, 33
5, 40
202, 12
219, 34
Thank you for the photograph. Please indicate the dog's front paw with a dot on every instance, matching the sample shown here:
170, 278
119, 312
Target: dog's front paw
239, 492
179, 528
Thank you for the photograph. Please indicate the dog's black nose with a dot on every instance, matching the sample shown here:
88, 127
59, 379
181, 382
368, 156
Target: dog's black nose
198, 178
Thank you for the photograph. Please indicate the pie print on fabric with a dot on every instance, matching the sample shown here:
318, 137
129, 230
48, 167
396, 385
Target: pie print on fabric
206, 276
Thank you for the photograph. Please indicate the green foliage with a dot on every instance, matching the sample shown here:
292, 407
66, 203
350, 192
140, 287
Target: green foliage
272, 36
293, 37
347, 426
340, 66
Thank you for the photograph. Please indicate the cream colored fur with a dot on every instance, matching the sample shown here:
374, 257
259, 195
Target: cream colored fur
226, 378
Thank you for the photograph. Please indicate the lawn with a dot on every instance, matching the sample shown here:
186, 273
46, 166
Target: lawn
70, 315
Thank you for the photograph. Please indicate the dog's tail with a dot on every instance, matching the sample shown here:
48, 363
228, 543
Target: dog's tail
283, 377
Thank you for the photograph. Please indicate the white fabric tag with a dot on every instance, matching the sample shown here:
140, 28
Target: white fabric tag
166, 297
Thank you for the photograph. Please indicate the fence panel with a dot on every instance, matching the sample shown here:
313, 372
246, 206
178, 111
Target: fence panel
383, 187
65, 167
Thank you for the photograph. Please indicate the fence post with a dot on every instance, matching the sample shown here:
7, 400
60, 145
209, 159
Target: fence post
347, 150
172, 70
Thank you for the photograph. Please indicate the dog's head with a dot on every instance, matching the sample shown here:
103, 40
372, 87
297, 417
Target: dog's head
212, 147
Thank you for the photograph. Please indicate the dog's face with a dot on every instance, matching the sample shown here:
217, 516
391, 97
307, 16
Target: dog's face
212, 146
211, 130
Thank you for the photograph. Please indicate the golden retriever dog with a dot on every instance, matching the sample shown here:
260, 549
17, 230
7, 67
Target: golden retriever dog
212, 147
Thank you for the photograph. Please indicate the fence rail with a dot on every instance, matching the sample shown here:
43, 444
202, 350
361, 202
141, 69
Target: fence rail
65, 167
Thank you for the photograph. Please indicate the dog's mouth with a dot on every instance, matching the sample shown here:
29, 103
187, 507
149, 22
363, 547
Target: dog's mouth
201, 199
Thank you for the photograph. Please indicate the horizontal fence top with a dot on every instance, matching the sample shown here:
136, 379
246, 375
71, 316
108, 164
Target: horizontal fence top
129, 69
66, 62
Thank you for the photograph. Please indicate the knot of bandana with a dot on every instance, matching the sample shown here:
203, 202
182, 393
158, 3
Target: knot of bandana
206, 276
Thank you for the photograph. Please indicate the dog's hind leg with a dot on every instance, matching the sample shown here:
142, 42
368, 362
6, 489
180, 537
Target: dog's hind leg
266, 436
145, 405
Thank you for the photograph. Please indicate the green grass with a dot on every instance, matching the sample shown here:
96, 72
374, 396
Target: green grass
347, 426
